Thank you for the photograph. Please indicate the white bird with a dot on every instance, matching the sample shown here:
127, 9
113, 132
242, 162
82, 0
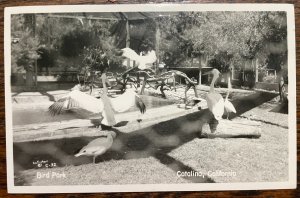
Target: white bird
97, 146
215, 101
105, 105
143, 62
229, 108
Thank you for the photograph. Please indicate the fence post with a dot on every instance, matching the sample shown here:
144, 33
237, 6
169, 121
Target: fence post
256, 70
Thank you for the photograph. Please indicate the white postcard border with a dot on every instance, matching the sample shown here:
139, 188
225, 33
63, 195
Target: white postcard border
292, 183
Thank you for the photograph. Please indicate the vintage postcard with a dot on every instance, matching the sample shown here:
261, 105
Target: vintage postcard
157, 97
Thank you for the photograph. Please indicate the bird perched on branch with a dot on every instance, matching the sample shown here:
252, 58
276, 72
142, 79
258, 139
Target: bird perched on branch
105, 105
97, 146
229, 108
143, 61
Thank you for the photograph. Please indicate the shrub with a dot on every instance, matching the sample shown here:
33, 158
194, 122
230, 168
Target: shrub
74, 42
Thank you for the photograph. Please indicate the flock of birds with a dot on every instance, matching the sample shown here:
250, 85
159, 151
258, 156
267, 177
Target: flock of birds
108, 106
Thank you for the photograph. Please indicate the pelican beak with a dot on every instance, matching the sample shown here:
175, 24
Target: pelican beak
78, 154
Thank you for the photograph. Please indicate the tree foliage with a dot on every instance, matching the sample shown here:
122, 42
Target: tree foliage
225, 37
24, 46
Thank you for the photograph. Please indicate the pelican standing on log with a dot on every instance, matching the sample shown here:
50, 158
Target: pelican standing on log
229, 108
105, 105
215, 101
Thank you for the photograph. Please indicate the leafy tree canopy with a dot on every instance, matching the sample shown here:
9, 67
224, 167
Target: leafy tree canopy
226, 37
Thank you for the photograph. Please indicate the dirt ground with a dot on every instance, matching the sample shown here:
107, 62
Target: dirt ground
158, 153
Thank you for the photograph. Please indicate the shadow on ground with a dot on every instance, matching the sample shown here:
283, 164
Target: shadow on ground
51, 97
281, 108
249, 102
157, 141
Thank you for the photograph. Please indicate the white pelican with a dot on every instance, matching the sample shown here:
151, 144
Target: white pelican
143, 62
227, 104
215, 101
105, 105
97, 146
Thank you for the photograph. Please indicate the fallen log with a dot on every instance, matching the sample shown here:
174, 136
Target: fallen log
233, 129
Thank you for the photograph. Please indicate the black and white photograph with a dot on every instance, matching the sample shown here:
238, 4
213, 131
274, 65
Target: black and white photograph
114, 98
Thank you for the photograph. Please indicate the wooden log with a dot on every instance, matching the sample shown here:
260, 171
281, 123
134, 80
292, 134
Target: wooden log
233, 129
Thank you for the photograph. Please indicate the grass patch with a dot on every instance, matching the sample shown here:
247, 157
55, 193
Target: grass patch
154, 154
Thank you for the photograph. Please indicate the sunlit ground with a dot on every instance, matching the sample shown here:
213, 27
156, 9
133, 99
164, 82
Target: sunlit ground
155, 154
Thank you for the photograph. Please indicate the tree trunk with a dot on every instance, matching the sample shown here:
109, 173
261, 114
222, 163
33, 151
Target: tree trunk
157, 46
144, 85
200, 67
232, 71
256, 70
280, 81
47, 70
127, 41
174, 83
29, 78
35, 73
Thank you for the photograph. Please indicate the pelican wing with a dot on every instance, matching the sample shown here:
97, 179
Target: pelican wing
215, 103
131, 54
147, 60
140, 104
77, 99
150, 57
126, 101
57, 107
143, 62
229, 106
100, 141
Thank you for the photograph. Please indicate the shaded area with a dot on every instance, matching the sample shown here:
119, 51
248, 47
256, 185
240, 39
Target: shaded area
281, 108
15, 94
154, 141
51, 97
213, 135
249, 102
157, 141
176, 166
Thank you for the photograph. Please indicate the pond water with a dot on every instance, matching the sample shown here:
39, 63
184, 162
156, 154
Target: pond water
41, 115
